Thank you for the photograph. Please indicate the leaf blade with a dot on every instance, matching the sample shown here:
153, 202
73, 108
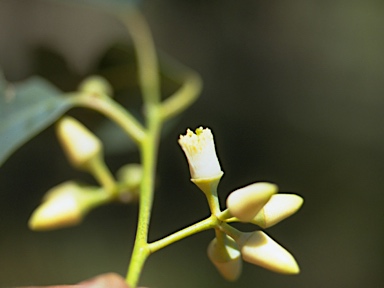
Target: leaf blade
25, 110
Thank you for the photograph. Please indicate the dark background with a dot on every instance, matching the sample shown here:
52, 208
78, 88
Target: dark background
294, 93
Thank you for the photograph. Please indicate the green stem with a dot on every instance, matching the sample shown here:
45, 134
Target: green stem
113, 111
147, 63
220, 236
209, 187
149, 155
103, 175
203, 225
231, 231
148, 74
183, 97
213, 202
225, 215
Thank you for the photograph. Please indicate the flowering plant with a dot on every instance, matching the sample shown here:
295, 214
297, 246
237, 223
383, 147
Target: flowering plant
68, 203
252, 203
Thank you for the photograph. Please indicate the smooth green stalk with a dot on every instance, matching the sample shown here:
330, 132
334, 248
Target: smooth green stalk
209, 187
203, 225
213, 202
183, 97
149, 155
231, 231
103, 175
147, 63
148, 74
220, 237
112, 110
225, 215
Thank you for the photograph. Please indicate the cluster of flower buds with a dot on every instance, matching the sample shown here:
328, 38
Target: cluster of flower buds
257, 203
67, 204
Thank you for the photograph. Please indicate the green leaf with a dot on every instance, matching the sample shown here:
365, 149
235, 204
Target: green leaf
25, 110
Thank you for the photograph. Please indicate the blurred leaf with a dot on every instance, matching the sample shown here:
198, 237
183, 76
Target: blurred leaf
25, 110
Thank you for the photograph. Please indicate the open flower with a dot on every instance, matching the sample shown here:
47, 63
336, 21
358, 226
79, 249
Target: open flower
199, 147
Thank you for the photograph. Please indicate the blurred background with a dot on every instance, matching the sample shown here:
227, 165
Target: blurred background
294, 93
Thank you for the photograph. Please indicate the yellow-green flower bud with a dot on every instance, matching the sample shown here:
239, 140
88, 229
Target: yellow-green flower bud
259, 249
226, 258
199, 148
130, 177
66, 205
246, 202
279, 207
80, 145
96, 85
61, 208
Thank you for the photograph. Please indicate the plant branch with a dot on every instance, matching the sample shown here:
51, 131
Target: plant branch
184, 97
113, 111
203, 225
149, 155
148, 69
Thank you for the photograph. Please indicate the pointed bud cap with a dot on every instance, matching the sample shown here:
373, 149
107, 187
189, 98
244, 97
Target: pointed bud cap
226, 258
259, 249
246, 202
65, 205
80, 145
61, 208
279, 207
199, 148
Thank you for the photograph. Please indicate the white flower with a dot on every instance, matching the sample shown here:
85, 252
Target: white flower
259, 249
199, 147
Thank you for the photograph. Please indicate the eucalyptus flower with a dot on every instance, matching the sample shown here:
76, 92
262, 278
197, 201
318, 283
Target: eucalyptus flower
199, 148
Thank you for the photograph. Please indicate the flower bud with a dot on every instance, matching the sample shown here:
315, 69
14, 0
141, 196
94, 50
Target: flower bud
226, 258
259, 249
130, 177
199, 149
246, 202
64, 205
80, 145
96, 85
279, 207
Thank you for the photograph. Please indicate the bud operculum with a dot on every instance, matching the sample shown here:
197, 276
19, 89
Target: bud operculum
226, 257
